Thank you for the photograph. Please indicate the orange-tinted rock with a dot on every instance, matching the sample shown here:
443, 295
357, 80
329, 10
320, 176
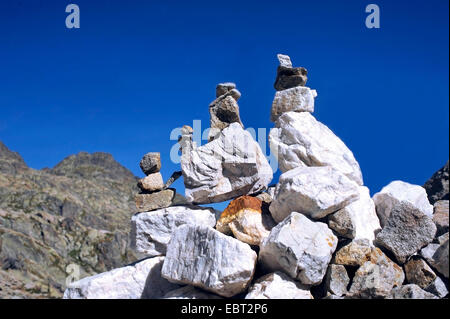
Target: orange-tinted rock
235, 207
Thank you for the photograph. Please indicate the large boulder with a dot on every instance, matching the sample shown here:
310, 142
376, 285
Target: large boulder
298, 139
297, 99
299, 247
440, 216
437, 256
358, 220
399, 191
277, 285
406, 231
313, 191
437, 186
337, 280
141, 280
151, 231
203, 257
418, 272
227, 167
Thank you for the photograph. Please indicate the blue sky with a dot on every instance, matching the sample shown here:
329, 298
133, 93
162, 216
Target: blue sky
135, 70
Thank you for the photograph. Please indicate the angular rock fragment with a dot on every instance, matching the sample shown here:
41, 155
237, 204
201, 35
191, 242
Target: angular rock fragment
151, 231
150, 163
396, 192
224, 88
230, 166
357, 220
376, 277
437, 288
189, 292
437, 256
442, 239
224, 110
410, 291
245, 219
289, 77
299, 247
313, 191
203, 257
148, 202
277, 285
356, 253
298, 99
141, 280
151, 183
299, 140
418, 272
406, 231
337, 280
440, 216
437, 186
284, 60
175, 175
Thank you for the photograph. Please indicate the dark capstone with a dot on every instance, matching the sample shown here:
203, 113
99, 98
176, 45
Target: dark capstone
150, 163
437, 186
290, 77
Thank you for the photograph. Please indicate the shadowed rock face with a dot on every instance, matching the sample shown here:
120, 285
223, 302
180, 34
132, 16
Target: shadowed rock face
437, 186
76, 213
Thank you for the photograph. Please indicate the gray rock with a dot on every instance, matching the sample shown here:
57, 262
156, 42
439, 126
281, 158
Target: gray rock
341, 222
437, 256
189, 292
298, 99
376, 277
442, 239
406, 231
150, 163
141, 280
440, 216
203, 257
299, 247
396, 192
313, 191
299, 140
410, 291
224, 110
437, 288
148, 202
437, 186
176, 175
230, 166
418, 272
277, 285
337, 280
151, 183
151, 231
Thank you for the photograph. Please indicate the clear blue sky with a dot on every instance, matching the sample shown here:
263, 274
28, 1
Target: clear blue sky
135, 70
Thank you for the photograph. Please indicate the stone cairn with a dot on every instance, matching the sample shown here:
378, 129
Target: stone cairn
316, 234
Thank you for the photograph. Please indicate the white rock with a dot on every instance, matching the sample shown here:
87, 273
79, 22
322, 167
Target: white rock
229, 166
189, 292
299, 247
141, 280
284, 60
203, 257
313, 191
277, 285
298, 139
296, 99
151, 231
398, 191
363, 216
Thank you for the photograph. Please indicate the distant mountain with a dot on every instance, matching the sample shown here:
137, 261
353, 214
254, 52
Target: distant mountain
75, 213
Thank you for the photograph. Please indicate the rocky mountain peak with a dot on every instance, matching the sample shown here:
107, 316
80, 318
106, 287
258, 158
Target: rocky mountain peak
10, 162
92, 166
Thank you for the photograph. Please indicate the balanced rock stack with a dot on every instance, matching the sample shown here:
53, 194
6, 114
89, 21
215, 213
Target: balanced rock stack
317, 234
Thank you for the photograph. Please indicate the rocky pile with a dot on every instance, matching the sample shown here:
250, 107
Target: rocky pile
316, 234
